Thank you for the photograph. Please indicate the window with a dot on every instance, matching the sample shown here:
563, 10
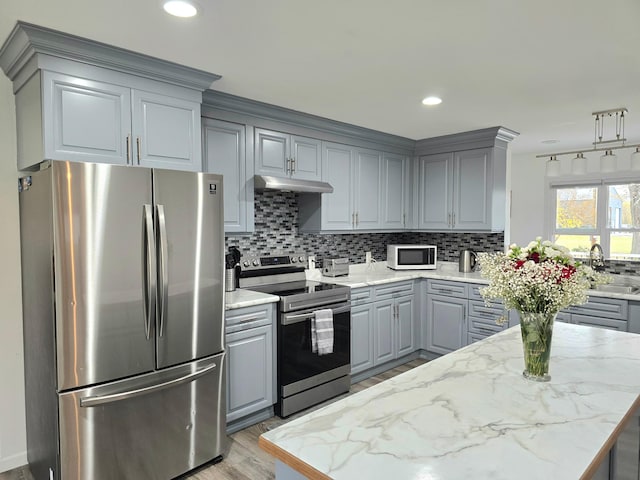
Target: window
604, 213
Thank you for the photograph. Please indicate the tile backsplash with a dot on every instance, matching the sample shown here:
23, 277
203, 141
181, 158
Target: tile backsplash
276, 231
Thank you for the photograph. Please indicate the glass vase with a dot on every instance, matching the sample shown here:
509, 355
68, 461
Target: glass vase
536, 329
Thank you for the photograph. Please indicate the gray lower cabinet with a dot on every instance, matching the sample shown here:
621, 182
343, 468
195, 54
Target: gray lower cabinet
601, 312
362, 338
446, 323
225, 152
250, 360
383, 324
94, 121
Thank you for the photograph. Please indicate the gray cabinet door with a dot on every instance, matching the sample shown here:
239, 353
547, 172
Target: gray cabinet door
337, 207
166, 132
272, 152
306, 156
406, 325
384, 324
472, 190
249, 371
224, 153
436, 185
367, 186
446, 323
362, 338
394, 191
85, 120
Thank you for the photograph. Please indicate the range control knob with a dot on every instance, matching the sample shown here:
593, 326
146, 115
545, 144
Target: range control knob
294, 259
256, 263
246, 263
301, 259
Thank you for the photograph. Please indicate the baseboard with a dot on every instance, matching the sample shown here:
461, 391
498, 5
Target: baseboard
358, 377
244, 422
13, 461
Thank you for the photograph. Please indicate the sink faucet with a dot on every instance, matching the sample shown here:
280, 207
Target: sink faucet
596, 257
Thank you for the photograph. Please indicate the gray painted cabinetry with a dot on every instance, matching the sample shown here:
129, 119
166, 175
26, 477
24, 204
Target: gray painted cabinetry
280, 154
225, 152
370, 191
456, 191
384, 324
250, 346
80, 100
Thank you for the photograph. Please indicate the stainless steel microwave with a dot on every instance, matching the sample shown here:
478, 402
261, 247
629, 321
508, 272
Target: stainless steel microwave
412, 257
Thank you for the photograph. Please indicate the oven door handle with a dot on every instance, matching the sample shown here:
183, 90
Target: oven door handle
291, 319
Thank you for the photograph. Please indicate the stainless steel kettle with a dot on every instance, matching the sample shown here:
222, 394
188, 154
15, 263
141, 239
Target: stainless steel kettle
467, 261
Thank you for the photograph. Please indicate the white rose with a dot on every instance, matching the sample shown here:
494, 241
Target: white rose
532, 244
538, 239
547, 243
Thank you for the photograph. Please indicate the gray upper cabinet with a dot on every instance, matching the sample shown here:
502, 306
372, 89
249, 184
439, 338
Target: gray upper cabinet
456, 190
166, 132
281, 154
84, 120
121, 108
224, 147
368, 186
355, 204
90, 121
395, 191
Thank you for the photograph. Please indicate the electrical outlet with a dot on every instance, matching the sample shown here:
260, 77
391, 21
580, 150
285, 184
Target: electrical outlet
311, 262
367, 258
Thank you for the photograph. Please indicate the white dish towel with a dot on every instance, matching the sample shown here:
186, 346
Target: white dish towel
322, 332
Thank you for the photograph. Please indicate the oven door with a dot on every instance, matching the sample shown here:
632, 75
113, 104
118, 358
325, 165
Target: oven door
298, 367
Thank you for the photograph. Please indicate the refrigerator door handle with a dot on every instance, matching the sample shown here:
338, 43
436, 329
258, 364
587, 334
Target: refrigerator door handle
115, 397
149, 281
164, 274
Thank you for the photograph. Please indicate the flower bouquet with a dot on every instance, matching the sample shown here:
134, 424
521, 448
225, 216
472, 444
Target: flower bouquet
538, 281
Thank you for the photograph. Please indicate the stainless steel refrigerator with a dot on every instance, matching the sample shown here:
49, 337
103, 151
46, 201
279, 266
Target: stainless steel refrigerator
122, 276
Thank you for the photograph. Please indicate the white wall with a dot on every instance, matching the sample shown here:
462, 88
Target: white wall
526, 177
13, 443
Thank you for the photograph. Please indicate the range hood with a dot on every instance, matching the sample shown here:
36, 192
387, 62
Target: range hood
267, 182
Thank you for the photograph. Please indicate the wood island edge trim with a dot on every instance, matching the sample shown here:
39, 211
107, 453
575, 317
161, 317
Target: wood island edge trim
291, 460
608, 445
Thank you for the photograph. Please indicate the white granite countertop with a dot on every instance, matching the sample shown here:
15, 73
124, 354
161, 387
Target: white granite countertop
361, 275
471, 414
240, 298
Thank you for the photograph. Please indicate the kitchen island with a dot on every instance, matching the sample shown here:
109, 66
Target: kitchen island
471, 414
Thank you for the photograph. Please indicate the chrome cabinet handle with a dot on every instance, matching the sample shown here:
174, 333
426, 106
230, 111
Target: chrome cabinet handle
357, 220
149, 269
288, 168
128, 148
293, 165
164, 268
353, 219
114, 397
449, 219
453, 219
138, 147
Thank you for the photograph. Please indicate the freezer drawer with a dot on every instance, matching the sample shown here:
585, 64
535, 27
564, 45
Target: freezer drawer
154, 426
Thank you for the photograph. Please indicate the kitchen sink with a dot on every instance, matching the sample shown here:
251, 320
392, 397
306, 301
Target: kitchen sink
620, 285
613, 288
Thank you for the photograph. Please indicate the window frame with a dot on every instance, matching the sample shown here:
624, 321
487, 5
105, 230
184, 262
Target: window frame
601, 182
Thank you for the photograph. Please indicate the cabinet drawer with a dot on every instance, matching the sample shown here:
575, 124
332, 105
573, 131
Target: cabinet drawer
248, 317
443, 287
608, 323
610, 308
474, 293
360, 296
473, 337
482, 319
393, 290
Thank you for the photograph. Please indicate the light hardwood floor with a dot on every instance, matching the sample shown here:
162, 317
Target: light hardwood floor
245, 460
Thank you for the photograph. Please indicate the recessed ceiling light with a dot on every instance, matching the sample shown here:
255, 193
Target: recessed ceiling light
180, 8
432, 101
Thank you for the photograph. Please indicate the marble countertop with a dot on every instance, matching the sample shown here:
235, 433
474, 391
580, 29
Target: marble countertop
240, 298
471, 414
361, 275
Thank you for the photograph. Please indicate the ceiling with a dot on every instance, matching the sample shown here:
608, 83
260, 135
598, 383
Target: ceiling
538, 67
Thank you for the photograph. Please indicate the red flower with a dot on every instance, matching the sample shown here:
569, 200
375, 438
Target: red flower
535, 256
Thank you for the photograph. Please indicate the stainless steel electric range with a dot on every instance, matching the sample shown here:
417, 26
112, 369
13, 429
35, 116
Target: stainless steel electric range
304, 378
